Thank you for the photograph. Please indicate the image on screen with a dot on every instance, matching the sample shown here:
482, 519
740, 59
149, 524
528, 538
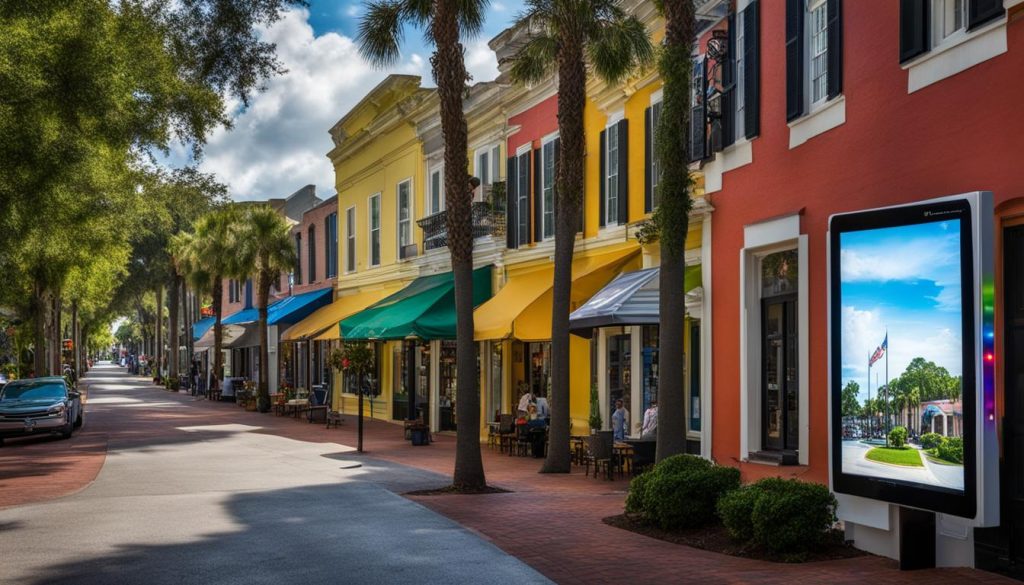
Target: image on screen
902, 358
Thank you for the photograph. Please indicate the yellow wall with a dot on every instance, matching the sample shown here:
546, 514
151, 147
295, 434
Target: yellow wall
594, 121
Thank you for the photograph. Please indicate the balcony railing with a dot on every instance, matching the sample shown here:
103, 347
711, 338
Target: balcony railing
488, 219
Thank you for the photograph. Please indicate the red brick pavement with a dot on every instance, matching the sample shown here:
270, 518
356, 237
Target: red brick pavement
551, 522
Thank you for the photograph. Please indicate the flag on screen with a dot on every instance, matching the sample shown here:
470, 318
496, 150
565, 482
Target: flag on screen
879, 351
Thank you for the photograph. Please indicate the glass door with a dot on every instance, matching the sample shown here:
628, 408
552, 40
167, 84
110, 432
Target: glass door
780, 404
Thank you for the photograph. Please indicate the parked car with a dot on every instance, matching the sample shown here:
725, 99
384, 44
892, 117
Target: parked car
39, 405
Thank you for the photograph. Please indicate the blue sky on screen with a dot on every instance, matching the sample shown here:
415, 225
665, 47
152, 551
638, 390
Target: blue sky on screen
904, 280
280, 142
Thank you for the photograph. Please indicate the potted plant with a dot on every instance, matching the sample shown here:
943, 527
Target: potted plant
356, 358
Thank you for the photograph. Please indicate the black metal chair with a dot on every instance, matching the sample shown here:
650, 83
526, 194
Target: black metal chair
599, 453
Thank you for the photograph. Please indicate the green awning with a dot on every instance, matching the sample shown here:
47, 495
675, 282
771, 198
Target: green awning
425, 309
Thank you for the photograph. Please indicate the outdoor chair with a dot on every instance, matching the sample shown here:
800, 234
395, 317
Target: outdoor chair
333, 418
506, 432
317, 405
599, 453
522, 442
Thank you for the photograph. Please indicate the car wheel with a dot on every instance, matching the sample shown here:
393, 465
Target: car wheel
79, 421
1, 441
69, 428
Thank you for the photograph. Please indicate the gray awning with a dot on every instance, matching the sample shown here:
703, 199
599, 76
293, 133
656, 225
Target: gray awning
630, 299
244, 335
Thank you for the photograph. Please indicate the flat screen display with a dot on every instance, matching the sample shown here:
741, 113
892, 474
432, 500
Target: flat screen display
903, 360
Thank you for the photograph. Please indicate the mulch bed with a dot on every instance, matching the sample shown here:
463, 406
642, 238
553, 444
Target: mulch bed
452, 490
716, 539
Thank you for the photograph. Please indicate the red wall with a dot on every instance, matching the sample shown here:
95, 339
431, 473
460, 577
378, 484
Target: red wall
964, 133
535, 123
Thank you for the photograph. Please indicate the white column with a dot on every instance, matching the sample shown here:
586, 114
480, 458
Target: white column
602, 377
636, 376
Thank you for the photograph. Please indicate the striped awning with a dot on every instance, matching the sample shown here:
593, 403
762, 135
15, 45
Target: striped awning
630, 299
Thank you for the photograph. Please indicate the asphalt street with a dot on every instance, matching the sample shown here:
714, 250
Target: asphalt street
186, 500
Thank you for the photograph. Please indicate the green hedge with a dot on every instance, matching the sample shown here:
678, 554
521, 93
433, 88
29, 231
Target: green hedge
931, 440
951, 449
681, 491
782, 515
898, 437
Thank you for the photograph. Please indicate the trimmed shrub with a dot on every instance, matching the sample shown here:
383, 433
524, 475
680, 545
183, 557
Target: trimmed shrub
931, 440
951, 449
637, 492
736, 509
683, 491
898, 437
792, 516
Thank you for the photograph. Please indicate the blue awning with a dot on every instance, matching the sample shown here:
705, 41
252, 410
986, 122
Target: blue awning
202, 326
288, 310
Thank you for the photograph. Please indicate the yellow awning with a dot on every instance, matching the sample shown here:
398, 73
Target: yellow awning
324, 322
522, 308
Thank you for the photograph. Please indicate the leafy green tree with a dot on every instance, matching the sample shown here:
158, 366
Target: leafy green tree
445, 22
564, 37
263, 242
850, 401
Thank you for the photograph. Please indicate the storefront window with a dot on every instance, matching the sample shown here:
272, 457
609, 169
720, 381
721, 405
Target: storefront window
539, 379
619, 366
694, 365
418, 355
447, 391
287, 361
494, 405
650, 360
371, 381
399, 391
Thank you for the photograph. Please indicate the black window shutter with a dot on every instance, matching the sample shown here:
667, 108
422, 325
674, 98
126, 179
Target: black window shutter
648, 160
980, 12
729, 87
698, 121
794, 59
603, 187
751, 70
511, 200
623, 172
523, 193
914, 28
834, 11
538, 195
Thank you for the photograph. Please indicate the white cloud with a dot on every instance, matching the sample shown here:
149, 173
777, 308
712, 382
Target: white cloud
280, 142
481, 63
353, 10
498, 6
924, 258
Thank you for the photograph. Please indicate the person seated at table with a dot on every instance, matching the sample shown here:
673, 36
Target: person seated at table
620, 421
533, 419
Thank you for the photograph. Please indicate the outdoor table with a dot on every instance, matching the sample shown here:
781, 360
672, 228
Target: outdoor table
296, 405
623, 455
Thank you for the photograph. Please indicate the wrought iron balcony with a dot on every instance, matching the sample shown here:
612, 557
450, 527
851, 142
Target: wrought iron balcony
488, 220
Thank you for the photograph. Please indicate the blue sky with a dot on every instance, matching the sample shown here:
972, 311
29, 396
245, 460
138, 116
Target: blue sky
280, 142
904, 280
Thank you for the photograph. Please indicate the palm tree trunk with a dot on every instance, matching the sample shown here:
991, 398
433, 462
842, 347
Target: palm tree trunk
572, 81
674, 212
450, 76
173, 305
262, 292
218, 334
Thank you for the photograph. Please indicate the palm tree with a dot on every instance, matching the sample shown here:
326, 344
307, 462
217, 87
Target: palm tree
380, 37
567, 36
672, 217
212, 260
263, 243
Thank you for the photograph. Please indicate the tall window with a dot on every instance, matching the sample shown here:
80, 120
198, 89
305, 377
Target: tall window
818, 22
350, 239
298, 258
548, 186
375, 230
740, 77
487, 161
331, 232
655, 169
404, 216
436, 195
611, 206
311, 253
948, 17
523, 196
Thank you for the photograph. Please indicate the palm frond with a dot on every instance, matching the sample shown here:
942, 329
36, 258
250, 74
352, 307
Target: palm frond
535, 60
617, 46
380, 32
471, 17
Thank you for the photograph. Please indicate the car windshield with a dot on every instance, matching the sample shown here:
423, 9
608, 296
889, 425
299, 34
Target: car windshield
33, 391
